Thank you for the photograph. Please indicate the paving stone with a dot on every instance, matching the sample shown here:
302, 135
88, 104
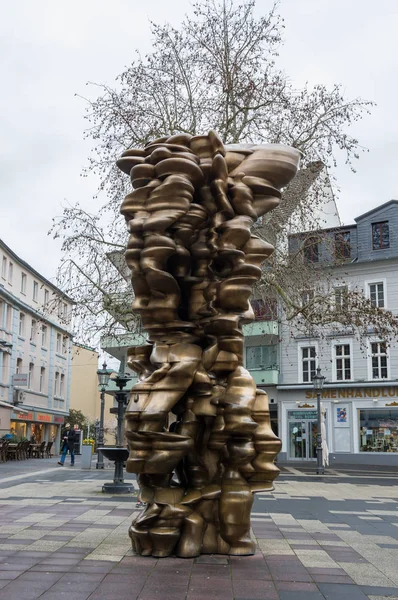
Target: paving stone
341, 591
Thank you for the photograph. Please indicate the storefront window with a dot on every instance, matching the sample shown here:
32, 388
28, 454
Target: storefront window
18, 429
378, 430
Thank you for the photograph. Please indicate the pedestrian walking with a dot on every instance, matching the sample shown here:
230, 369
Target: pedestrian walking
68, 443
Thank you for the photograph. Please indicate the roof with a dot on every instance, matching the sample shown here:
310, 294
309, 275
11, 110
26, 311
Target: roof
326, 229
32, 270
377, 209
89, 348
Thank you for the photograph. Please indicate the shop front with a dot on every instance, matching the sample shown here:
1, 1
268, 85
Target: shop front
41, 425
361, 423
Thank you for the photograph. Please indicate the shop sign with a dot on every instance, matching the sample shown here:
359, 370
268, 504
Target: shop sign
373, 392
20, 379
37, 416
25, 416
303, 414
43, 417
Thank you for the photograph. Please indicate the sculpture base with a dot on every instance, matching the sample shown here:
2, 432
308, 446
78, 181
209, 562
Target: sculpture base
117, 488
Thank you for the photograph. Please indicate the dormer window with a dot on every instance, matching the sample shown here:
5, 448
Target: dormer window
380, 235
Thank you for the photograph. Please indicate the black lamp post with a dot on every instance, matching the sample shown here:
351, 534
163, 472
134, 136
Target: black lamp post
318, 380
103, 379
119, 453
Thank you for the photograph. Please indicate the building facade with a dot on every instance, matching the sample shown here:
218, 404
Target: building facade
85, 394
35, 351
360, 395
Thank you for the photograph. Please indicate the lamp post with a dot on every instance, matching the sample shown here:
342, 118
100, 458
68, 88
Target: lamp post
318, 380
103, 379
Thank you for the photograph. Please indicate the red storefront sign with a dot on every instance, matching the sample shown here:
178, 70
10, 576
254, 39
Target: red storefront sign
39, 417
25, 416
43, 417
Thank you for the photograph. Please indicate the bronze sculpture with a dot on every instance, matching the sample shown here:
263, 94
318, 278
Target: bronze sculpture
198, 429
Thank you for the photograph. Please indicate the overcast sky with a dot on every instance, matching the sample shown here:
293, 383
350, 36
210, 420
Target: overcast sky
49, 50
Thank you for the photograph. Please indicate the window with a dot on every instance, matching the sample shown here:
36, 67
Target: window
60, 309
44, 336
4, 267
33, 330
23, 283
64, 344
59, 342
376, 294
19, 366
379, 360
340, 297
380, 235
64, 310
42, 378
8, 317
46, 296
10, 272
307, 296
61, 385
378, 430
30, 378
35, 291
343, 362
264, 310
56, 383
308, 361
261, 357
342, 245
21, 328
311, 250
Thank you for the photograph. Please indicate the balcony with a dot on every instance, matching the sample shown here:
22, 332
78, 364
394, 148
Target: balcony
261, 328
265, 376
117, 345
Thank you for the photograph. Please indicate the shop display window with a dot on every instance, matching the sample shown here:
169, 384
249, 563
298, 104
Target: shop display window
18, 429
378, 430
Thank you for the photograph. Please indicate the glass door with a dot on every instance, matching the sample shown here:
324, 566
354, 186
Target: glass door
302, 439
298, 439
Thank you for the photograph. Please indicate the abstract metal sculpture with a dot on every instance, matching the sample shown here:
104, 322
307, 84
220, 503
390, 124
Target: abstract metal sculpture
198, 429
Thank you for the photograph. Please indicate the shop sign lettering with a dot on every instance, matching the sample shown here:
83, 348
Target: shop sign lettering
58, 419
28, 416
303, 414
44, 417
373, 392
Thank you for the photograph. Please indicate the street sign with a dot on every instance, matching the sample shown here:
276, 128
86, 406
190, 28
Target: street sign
20, 379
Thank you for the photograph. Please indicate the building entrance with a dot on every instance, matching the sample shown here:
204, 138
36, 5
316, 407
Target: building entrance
303, 430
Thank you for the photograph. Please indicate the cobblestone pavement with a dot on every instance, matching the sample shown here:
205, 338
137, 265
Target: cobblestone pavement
332, 537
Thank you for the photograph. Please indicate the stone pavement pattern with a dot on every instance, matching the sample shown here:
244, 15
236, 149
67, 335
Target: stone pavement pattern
328, 538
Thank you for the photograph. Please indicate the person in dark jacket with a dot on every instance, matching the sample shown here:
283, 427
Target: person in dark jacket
68, 443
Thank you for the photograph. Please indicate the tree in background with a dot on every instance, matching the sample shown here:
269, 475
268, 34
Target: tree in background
219, 71
76, 418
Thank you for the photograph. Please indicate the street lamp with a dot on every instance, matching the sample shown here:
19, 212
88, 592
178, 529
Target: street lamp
103, 379
318, 380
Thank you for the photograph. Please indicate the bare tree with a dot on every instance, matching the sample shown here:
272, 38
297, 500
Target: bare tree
217, 71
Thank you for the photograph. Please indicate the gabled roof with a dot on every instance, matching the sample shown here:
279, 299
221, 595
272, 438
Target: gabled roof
376, 210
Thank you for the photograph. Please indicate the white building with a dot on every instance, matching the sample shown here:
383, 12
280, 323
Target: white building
35, 351
360, 394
